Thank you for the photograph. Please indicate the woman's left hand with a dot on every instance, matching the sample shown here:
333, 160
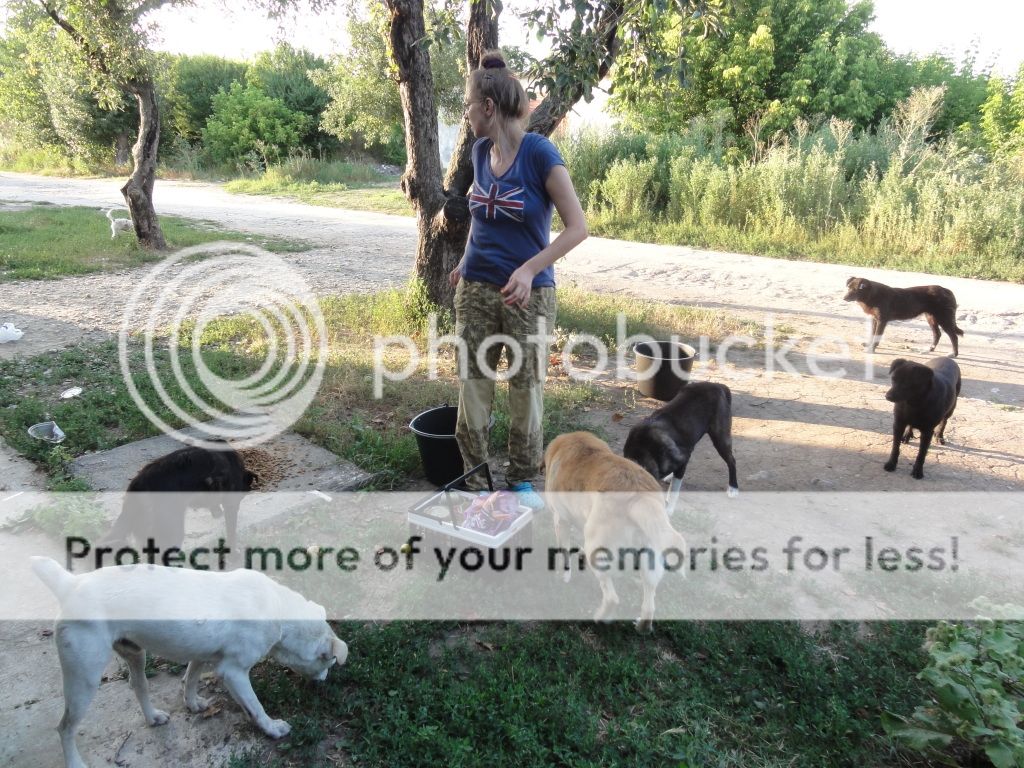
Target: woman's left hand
517, 289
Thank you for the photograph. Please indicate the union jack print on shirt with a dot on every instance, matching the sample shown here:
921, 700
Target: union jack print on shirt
493, 203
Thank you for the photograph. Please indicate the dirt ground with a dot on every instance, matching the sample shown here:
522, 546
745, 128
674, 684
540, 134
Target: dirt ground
793, 430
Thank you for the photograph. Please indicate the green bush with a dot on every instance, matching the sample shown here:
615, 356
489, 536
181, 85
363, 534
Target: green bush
193, 82
247, 123
630, 189
976, 676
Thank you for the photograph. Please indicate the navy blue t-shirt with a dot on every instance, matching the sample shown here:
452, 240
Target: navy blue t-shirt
511, 213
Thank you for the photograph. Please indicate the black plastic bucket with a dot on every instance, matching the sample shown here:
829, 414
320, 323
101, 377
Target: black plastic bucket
662, 367
435, 438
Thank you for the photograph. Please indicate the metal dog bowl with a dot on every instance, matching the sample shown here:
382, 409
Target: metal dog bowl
47, 431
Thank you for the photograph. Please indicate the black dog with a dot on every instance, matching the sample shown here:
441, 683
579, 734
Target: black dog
196, 476
662, 443
925, 398
883, 303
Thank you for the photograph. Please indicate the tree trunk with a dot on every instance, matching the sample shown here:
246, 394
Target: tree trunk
138, 191
122, 148
441, 208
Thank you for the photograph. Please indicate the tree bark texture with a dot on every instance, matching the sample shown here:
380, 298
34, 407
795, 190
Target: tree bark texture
138, 190
441, 207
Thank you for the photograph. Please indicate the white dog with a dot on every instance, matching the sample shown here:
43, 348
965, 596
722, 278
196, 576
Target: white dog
118, 225
204, 618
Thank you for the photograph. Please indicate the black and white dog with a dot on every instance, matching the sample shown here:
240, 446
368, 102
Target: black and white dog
662, 443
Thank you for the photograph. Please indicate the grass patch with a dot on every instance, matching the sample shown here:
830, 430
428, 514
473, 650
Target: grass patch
699, 694
334, 184
378, 198
345, 417
45, 242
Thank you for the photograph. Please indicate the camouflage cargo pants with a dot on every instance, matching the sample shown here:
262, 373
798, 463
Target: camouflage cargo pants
486, 325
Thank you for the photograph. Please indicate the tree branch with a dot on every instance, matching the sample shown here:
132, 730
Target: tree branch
150, 5
557, 104
96, 57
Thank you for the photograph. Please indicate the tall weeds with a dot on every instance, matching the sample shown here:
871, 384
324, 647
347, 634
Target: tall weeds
889, 198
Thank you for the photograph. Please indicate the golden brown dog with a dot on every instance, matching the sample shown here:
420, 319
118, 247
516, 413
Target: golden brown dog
618, 505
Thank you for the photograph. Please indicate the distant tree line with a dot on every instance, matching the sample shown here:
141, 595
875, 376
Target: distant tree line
223, 113
775, 62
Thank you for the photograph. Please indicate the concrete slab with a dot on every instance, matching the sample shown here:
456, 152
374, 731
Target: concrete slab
288, 462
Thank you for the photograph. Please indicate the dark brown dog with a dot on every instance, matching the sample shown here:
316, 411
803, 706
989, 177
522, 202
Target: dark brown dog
925, 398
883, 303
662, 443
194, 476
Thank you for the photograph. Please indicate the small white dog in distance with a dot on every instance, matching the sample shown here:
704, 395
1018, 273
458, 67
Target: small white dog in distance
118, 225
204, 618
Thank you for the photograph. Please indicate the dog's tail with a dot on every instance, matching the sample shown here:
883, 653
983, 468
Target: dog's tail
110, 214
49, 571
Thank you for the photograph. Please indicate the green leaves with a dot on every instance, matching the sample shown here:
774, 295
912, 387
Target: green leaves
245, 121
975, 673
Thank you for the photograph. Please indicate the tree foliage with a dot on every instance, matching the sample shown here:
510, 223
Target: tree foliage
47, 97
364, 105
191, 84
1002, 114
780, 60
289, 75
247, 122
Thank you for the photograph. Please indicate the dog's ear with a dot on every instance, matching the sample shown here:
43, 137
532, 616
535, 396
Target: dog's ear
671, 456
897, 363
922, 376
338, 649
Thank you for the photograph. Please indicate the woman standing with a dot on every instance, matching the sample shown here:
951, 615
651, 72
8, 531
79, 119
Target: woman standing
504, 284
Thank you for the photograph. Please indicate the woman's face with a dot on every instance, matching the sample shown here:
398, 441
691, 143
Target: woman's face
477, 111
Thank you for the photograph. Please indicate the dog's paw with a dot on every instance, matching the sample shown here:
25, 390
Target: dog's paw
889, 466
917, 473
277, 729
159, 718
199, 704
941, 440
644, 627
732, 492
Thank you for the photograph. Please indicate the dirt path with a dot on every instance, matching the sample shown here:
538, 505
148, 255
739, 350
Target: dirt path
794, 431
